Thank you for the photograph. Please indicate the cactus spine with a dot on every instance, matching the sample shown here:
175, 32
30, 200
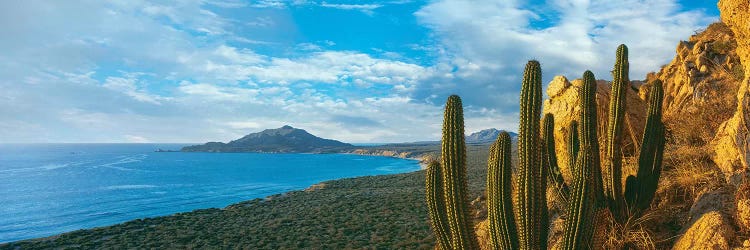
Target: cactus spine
588, 136
550, 160
436, 204
502, 227
453, 161
530, 190
613, 161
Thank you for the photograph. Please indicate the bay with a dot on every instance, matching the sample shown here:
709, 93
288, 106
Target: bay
47, 189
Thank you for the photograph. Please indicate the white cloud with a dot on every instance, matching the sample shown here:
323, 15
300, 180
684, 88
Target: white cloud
488, 42
364, 8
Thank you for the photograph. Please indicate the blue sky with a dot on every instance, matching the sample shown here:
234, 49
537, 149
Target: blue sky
357, 71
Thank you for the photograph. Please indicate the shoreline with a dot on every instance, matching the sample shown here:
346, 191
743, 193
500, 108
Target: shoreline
311, 188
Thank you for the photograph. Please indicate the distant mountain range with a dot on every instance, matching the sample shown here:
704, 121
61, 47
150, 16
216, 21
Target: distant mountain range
281, 140
486, 136
287, 139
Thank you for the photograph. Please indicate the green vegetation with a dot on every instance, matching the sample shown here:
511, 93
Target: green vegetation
383, 212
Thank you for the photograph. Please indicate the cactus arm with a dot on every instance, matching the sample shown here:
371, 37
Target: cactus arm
652, 151
503, 234
550, 160
588, 135
573, 146
612, 182
528, 198
453, 161
436, 204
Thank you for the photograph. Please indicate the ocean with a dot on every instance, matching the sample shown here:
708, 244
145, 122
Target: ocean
47, 189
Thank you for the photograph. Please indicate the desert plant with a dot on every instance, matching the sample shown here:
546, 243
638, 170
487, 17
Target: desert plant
453, 162
502, 227
530, 187
537, 165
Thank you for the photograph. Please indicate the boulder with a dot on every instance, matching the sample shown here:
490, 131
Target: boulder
710, 231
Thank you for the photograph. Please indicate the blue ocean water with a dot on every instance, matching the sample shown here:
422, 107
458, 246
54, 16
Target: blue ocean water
46, 189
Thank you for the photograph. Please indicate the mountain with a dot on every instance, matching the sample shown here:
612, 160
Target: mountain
281, 140
486, 136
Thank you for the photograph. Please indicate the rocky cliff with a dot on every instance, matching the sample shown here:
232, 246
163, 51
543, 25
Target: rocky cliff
732, 142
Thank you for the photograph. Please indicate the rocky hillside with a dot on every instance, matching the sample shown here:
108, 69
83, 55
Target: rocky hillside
703, 200
281, 140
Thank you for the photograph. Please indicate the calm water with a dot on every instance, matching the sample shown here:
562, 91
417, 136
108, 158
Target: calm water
47, 189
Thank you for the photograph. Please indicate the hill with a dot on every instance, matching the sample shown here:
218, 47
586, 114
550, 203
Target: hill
486, 136
285, 139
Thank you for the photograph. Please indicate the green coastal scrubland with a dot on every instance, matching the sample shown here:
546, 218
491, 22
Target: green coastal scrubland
374, 212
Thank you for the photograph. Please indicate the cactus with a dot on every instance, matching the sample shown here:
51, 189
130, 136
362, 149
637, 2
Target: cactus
436, 204
588, 132
530, 189
640, 189
613, 161
527, 226
550, 160
502, 227
573, 146
579, 227
453, 161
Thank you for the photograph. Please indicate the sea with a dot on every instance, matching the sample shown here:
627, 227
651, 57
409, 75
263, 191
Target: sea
47, 189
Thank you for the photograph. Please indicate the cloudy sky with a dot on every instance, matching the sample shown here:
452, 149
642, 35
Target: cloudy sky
352, 70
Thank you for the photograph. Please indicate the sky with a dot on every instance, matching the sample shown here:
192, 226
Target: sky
192, 71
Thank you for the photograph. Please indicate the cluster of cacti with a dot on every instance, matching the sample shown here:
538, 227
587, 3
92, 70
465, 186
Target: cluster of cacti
526, 226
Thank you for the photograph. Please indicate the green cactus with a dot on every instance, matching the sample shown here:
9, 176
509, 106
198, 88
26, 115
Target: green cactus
573, 146
640, 189
579, 224
530, 189
453, 161
588, 132
550, 160
613, 156
436, 204
502, 227
527, 226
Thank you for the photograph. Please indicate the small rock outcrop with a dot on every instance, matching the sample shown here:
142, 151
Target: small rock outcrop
564, 105
732, 142
710, 231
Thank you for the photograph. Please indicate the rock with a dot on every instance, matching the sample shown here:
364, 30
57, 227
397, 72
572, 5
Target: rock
564, 105
732, 141
557, 86
710, 231
743, 214
714, 200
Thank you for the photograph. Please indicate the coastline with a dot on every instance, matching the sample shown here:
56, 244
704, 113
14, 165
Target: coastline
313, 187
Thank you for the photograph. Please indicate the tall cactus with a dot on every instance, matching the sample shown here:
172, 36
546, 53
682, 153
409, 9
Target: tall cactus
436, 204
579, 227
612, 181
530, 189
550, 160
640, 189
453, 161
502, 227
588, 135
